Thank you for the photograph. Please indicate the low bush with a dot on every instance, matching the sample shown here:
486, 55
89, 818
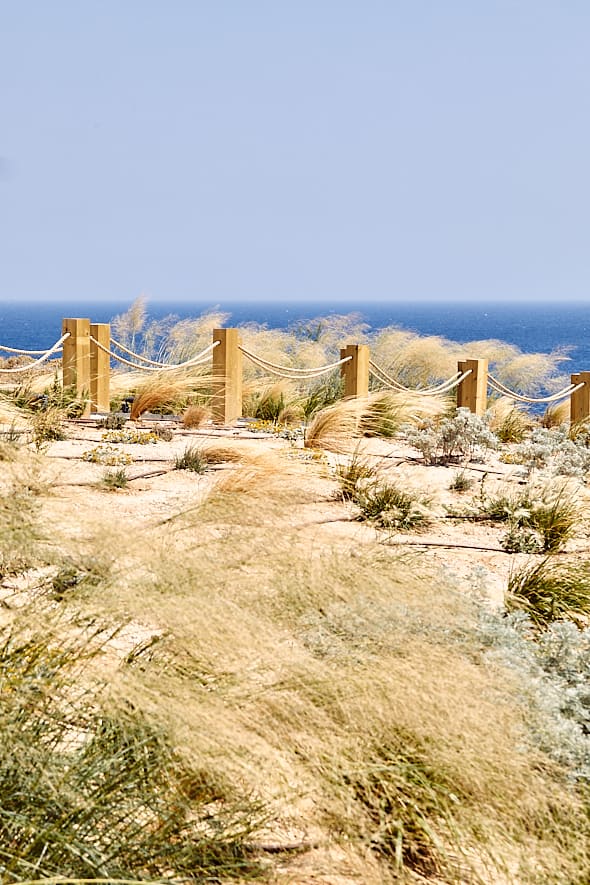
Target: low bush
94, 790
193, 458
115, 479
389, 507
462, 436
352, 476
548, 591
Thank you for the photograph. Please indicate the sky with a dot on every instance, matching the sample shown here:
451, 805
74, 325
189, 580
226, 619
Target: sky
328, 150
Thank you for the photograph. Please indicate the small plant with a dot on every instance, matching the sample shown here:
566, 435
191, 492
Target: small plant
463, 436
521, 539
195, 416
461, 482
166, 434
549, 512
389, 507
48, 426
352, 476
193, 458
132, 437
115, 479
548, 591
112, 422
107, 455
88, 572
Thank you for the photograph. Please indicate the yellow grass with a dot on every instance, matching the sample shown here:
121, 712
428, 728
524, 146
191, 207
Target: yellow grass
330, 683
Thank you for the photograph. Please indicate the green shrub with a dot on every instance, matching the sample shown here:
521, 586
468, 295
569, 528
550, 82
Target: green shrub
389, 507
461, 482
193, 458
352, 476
115, 479
548, 591
92, 790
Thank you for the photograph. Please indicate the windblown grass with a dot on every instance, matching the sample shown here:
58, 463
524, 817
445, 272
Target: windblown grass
550, 590
164, 391
259, 675
379, 414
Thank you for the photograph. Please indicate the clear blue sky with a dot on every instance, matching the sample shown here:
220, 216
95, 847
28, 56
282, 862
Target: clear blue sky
295, 149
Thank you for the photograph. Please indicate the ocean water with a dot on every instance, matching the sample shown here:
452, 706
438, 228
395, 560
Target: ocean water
541, 327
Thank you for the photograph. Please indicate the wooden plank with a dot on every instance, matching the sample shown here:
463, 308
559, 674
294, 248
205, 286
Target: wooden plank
472, 392
356, 370
100, 368
76, 358
226, 400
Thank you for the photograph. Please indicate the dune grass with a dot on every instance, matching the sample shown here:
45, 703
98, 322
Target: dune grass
248, 688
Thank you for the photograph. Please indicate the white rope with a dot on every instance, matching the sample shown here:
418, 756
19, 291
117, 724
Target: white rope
197, 360
500, 388
22, 352
137, 356
291, 372
41, 359
439, 389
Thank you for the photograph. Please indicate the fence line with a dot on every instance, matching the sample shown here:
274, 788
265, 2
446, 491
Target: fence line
197, 360
86, 366
42, 359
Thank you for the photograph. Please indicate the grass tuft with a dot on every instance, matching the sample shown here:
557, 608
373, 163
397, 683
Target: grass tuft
548, 591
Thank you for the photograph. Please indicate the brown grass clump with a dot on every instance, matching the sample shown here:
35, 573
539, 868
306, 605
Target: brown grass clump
555, 415
220, 454
334, 427
195, 416
163, 391
379, 414
508, 421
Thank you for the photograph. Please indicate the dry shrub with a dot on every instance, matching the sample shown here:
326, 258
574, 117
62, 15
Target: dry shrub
164, 391
379, 414
195, 416
386, 411
220, 454
556, 415
507, 420
333, 428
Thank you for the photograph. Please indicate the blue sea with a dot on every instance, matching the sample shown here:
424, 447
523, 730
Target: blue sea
534, 327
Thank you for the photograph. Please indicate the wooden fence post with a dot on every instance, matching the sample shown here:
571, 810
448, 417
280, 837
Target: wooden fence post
472, 392
76, 358
356, 371
227, 377
580, 399
100, 368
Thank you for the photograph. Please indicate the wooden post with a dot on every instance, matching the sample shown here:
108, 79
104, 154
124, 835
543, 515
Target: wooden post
356, 371
580, 400
472, 392
227, 377
76, 358
100, 368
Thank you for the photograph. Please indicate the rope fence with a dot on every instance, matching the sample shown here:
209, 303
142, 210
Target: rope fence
87, 350
290, 371
46, 354
197, 360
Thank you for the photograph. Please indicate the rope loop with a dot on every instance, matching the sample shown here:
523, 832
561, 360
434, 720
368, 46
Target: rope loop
436, 390
500, 388
290, 372
46, 355
197, 360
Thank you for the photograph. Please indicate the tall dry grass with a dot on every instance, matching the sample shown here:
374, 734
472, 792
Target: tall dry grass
380, 414
343, 687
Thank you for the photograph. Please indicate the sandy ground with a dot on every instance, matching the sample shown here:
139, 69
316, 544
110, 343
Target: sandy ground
468, 552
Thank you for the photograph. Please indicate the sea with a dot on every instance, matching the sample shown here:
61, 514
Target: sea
541, 327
